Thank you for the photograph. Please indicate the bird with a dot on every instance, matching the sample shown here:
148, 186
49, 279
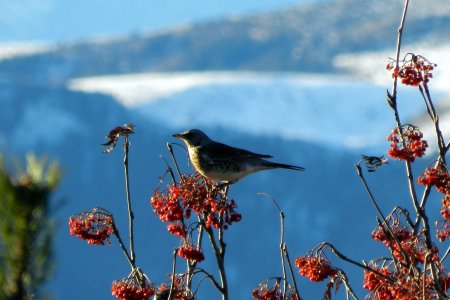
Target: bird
224, 163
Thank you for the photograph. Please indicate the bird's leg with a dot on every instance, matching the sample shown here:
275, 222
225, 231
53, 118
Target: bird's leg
225, 186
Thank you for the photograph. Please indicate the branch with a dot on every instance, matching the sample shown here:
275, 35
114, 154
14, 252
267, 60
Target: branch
386, 224
210, 277
122, 246
345, 258
170, 148
172, 277
435, 118
347, 285
127, 189
283, 248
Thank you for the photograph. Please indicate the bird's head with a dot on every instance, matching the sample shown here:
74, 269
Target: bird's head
193, 137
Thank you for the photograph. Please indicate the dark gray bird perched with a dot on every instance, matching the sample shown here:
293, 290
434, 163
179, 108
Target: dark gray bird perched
222, 162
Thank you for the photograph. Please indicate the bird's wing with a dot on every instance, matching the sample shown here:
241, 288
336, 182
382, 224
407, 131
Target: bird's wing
221, 152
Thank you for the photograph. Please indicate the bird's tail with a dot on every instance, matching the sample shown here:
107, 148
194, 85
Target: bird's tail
283, 166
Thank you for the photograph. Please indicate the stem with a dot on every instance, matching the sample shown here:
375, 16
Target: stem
191, 266
127, 189
222, 246
219, 248
219, 253
170, 148
392, 99
435, 118
211, 278
291, 271
374, 202
283, 248
122, 246
345, 258
172, 277
445, 255
372, 198
347, 285
392, 96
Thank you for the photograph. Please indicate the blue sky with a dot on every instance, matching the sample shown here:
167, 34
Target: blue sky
62, 20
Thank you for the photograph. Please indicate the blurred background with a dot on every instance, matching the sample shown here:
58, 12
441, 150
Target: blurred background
304, 81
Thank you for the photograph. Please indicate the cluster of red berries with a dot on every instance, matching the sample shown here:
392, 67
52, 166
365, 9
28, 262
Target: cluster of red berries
400, 280
191, 253
167, 206
268, 291
132, 288
445, 210
95, 226
194, 193
414, 70
443, 228
222, 214
407, 146
178, 229
201, 196
400, 232
179, 291
400, 283
405, 246
438, 177
378, 285
315, 268
442, 231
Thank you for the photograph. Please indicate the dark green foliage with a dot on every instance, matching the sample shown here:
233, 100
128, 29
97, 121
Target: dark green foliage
26, 228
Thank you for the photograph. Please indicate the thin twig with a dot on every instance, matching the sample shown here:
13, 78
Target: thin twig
170, 148
282, 243
127, 189
222, 249
283, 248
347, 285
169, 169
345, 258
386, 224
193, 265
122, 246
210, 277
405, 213
172, 277
291, 270
220, 263
445, 255
372, 198
219, 248
435, 118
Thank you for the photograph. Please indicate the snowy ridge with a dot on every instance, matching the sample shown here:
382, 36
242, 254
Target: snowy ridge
371, 66
137, 89
13, 50
338, 111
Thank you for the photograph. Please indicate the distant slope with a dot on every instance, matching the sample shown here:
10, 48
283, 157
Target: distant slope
303, 38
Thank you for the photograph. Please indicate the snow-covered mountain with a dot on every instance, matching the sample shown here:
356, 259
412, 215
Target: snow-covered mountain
334, 111
305, 38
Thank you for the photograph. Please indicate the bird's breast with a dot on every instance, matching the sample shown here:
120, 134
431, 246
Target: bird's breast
223, 170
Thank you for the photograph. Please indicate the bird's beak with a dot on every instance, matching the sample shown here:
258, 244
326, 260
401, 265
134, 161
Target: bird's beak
178, 135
